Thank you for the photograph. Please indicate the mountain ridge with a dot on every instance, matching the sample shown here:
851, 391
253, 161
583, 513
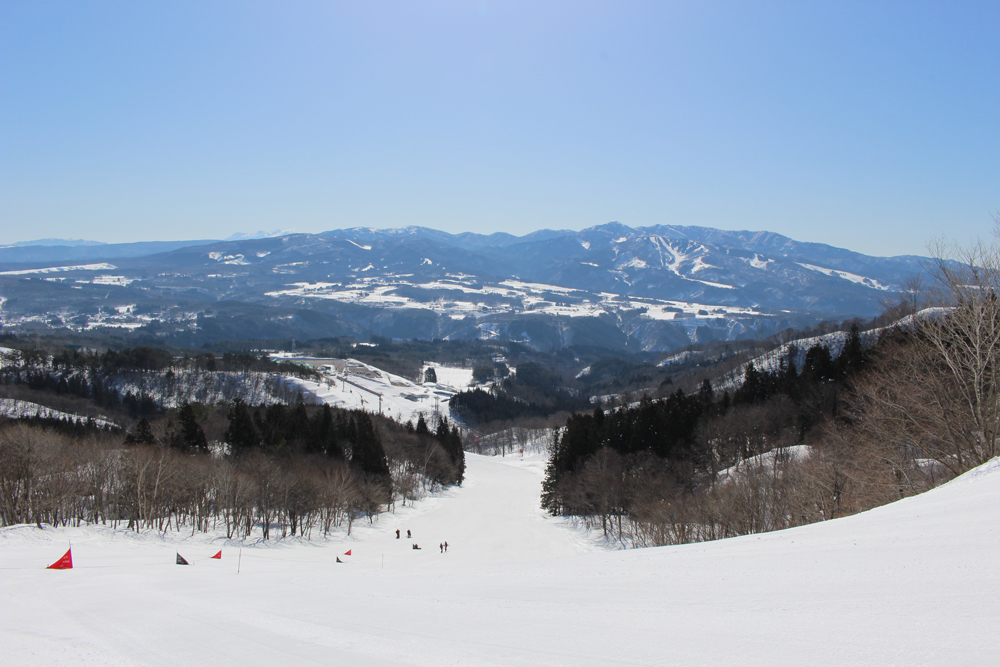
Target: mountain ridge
660, 287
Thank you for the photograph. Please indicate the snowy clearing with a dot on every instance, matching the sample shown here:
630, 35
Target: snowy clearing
358, 386
911, 583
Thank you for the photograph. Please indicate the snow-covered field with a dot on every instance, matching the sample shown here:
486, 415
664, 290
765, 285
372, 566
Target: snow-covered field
457, 378
365, 387
505, 297
913, 583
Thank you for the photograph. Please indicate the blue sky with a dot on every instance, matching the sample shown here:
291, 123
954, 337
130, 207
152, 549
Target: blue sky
871, 126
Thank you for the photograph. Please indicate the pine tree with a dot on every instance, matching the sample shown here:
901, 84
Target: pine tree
142, 435
368, 455
818, 366
458, 453
706, 393
241, 435
852, 356
752, 390
450, 440
192, 436
422, 426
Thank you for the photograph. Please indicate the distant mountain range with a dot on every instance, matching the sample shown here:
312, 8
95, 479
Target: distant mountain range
653, 288
59, 242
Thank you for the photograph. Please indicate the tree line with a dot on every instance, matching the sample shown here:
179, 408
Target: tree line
277, 469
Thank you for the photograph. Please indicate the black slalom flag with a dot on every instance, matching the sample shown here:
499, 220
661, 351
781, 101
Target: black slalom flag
180, 560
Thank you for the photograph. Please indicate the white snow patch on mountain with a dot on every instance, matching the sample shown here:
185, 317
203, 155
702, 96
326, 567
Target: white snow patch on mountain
120, 281
852, 277
537, 287
57, 269
634, 263
712, 284
238, 260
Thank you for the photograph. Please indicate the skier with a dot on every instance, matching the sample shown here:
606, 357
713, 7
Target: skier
441, 547
446, 546
415, 546
408, 536
397, 533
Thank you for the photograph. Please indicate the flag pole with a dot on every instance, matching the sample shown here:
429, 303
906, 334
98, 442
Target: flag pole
240, 561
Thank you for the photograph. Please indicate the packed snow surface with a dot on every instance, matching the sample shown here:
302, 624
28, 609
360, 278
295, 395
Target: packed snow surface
912, 583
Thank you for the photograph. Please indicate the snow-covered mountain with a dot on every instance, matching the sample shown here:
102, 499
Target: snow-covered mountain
655, 287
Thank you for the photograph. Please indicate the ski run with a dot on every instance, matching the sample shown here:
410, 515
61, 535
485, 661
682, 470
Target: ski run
912, 583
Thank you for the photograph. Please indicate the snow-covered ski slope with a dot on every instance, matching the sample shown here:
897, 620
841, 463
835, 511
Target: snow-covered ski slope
913, 583
363, 387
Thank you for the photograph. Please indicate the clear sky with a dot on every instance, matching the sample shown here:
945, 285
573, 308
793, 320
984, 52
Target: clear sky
868, 125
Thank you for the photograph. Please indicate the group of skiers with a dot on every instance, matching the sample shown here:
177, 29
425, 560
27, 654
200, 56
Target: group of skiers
443, 546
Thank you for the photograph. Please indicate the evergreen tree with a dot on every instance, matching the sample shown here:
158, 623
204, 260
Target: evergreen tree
192, 437
142, 435
368, 455
457, 452
706, 393
321, 432
451, 442
852, 356
818, 366
241, 435
753, 388
422, 426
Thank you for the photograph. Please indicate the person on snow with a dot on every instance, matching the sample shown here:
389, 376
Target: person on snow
415, 546
446, 546
408, 536
441, 547
397, 533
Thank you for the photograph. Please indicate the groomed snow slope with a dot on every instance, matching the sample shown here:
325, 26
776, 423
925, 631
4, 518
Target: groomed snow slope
913, 583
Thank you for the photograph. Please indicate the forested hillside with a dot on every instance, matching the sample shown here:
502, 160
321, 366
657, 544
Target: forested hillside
845, 432
257, 457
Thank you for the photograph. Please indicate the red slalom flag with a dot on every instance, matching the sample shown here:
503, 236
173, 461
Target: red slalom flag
218, 555
347, 553
64, 563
